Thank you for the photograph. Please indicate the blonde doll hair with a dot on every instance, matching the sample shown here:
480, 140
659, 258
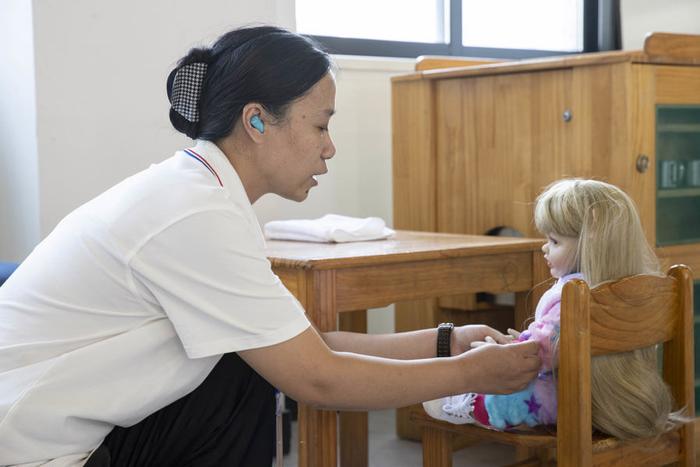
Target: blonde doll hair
629, 397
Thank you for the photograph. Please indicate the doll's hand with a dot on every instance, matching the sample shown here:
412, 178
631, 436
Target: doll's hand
465, 336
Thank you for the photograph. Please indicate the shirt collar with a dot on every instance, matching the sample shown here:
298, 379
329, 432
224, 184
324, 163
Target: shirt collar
220, 163
230, 180
568, 277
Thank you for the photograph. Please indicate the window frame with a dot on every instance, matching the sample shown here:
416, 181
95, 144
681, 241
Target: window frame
402, 49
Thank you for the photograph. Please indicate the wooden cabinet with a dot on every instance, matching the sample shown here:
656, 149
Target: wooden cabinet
473, 146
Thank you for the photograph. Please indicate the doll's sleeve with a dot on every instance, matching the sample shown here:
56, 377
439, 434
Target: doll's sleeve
507, 410
546, 332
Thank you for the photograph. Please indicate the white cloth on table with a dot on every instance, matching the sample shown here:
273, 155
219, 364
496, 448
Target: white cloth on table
329, 228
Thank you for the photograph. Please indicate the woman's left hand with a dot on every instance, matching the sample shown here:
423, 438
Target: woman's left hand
463, 336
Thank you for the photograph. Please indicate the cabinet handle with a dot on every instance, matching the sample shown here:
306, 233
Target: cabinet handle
567, 115
642, 163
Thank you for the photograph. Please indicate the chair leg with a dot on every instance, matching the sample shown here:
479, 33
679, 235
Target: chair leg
437, 448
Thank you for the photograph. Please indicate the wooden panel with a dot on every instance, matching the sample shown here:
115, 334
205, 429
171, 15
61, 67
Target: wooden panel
677, 85
456, 157
641, 121
683, 46
503, 125
553, 145
413, 155
632, 313
601, 140
425, 279
456, 190
500, 139
536, 65
427, 62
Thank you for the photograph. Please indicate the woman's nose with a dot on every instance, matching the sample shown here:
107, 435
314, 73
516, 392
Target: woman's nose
544, 248
329, 150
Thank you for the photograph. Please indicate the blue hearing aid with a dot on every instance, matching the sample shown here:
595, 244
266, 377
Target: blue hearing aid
256, 123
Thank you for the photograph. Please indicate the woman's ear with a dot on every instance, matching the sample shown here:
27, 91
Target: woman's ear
253, 121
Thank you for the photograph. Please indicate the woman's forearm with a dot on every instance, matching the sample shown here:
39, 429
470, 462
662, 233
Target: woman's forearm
403, 346
363, 382
309, 371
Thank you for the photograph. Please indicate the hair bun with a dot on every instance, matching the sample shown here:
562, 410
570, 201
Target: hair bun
197, 55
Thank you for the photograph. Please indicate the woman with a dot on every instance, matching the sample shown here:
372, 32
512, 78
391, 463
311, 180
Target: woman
161, 336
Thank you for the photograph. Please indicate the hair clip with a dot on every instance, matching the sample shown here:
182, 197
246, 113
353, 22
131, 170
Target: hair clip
187, 89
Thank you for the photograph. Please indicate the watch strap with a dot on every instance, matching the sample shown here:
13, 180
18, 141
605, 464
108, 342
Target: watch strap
444, 334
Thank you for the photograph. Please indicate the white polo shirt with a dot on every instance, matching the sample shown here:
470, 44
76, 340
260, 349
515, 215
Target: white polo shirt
129, 303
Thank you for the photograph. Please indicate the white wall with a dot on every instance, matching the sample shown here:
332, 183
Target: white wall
100, 76
640, 17
19, 208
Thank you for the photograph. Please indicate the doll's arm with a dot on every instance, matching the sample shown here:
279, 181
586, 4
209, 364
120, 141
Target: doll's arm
545, 331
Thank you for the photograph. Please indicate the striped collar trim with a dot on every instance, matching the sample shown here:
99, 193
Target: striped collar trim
190, 152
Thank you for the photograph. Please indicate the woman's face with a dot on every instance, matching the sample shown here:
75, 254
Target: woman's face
559, 253
299, 145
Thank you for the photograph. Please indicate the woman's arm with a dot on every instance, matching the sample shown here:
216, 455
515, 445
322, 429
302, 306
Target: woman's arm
409, 345
309, 371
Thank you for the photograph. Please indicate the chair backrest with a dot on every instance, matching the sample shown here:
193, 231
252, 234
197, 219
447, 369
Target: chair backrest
630, 313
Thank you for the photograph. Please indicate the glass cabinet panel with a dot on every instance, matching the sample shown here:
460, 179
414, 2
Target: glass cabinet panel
696, 328
677, 174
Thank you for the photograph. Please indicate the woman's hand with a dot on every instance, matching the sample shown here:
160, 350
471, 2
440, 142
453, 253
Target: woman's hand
512, 336
500, 369
464, 336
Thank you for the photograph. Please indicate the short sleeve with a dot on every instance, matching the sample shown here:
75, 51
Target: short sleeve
209, 274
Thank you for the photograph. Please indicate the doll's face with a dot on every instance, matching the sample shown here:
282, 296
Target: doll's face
559, 253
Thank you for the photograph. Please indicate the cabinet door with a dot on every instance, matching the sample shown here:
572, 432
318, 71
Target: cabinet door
499, 140
614, 112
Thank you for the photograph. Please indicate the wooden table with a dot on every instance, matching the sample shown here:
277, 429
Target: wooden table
334, 280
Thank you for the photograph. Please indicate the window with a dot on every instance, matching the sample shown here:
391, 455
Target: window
478, 28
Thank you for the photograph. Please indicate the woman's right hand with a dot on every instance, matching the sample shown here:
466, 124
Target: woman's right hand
501, 369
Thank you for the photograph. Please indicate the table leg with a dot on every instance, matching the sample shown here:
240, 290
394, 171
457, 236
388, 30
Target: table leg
353, 425
318, 428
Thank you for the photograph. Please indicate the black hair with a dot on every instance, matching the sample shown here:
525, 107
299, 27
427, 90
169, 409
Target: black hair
264, 64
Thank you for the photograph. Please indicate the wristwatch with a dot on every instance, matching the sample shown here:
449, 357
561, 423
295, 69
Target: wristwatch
443, 339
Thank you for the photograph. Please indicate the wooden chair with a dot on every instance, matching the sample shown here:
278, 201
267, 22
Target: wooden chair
623, 315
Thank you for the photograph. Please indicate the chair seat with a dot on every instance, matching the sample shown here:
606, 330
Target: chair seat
544, 437
607, 450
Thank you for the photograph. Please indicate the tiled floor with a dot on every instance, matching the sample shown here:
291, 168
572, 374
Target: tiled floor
386, 450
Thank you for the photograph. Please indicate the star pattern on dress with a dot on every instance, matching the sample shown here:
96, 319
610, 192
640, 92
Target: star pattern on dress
532, 405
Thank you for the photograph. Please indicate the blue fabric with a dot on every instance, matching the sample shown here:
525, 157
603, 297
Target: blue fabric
5, 270
512, 409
